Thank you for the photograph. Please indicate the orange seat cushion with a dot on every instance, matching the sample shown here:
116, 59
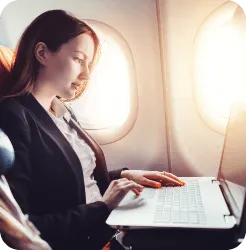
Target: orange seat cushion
6, 58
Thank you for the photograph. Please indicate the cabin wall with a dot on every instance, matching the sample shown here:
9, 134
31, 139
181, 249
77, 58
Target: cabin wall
194, 148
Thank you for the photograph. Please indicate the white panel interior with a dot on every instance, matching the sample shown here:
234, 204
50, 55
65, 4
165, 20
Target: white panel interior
195, 149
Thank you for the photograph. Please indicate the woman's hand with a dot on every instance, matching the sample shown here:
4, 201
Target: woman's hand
152, 178
118, 189
8, 202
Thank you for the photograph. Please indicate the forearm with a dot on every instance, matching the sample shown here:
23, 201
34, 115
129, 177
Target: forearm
124, 173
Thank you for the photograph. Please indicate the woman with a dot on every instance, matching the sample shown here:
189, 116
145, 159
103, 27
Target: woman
59, 176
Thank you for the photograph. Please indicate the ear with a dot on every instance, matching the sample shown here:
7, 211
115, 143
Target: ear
41, 53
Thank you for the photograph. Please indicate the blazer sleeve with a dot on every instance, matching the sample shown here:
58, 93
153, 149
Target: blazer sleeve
70, 225
115, 174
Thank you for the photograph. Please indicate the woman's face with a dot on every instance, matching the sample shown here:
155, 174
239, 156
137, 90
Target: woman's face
66, 69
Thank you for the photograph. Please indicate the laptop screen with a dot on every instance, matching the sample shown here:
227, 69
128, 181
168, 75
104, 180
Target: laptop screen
232, 174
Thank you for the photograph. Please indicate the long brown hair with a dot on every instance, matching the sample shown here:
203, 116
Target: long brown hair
54, 28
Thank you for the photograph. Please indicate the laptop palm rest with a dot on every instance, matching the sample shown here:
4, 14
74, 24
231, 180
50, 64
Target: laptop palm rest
154, 209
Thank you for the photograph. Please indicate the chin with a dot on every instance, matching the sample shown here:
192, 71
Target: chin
68, 95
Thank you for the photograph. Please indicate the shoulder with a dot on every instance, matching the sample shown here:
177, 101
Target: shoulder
11, 108
14, 121
11, 104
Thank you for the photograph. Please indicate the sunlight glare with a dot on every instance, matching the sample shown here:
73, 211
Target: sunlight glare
221, 73
107, 96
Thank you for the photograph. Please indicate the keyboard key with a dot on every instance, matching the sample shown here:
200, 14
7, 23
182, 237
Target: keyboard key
180, 204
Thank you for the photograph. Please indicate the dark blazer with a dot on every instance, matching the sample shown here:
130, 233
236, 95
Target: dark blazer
47, 179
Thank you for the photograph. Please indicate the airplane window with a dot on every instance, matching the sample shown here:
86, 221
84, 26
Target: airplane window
108, 107
219, 61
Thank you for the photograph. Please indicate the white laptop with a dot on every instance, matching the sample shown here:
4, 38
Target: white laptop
203, 202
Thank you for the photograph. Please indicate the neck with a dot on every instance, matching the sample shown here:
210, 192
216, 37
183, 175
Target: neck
43, 95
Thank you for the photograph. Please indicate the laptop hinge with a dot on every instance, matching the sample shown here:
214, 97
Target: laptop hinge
230, 219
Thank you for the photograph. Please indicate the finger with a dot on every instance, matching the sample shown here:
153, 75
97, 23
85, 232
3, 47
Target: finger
131, 185
136, 192
169, 184
11, 225
9, 201
165, 178
5, 196
173, 177
123, 179
5, 182
5, 190
32, 227
4, 206
151, 183
119, 181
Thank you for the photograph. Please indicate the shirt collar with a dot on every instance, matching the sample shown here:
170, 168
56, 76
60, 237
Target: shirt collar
60, 109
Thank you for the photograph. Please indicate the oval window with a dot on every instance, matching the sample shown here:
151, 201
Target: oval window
219, 59
108, 107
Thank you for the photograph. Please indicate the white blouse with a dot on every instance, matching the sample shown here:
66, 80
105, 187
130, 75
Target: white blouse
81, 148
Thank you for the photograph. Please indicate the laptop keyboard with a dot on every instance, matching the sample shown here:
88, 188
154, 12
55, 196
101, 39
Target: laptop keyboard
180, 205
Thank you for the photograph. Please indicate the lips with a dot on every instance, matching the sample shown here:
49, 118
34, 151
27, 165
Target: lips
77, 85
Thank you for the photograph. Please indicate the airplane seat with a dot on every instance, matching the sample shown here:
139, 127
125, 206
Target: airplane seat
6, 59
6, 148
7, 154
14, 232
7, 157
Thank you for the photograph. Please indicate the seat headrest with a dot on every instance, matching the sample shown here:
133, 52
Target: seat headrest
6, 57
7, 155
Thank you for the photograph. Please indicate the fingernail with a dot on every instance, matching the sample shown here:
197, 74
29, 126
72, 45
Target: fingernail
158, 185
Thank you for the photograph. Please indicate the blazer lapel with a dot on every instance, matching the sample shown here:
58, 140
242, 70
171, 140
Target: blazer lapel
100, 172
46, 123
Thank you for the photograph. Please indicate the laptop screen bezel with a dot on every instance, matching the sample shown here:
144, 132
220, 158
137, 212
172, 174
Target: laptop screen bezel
232, 204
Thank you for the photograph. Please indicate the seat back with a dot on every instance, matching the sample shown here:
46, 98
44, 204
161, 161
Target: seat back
7, 155
7, 57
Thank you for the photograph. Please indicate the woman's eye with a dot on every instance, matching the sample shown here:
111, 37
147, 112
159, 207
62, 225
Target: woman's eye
79, 60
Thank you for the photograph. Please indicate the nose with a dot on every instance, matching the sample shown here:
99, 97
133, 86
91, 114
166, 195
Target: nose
84, 74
